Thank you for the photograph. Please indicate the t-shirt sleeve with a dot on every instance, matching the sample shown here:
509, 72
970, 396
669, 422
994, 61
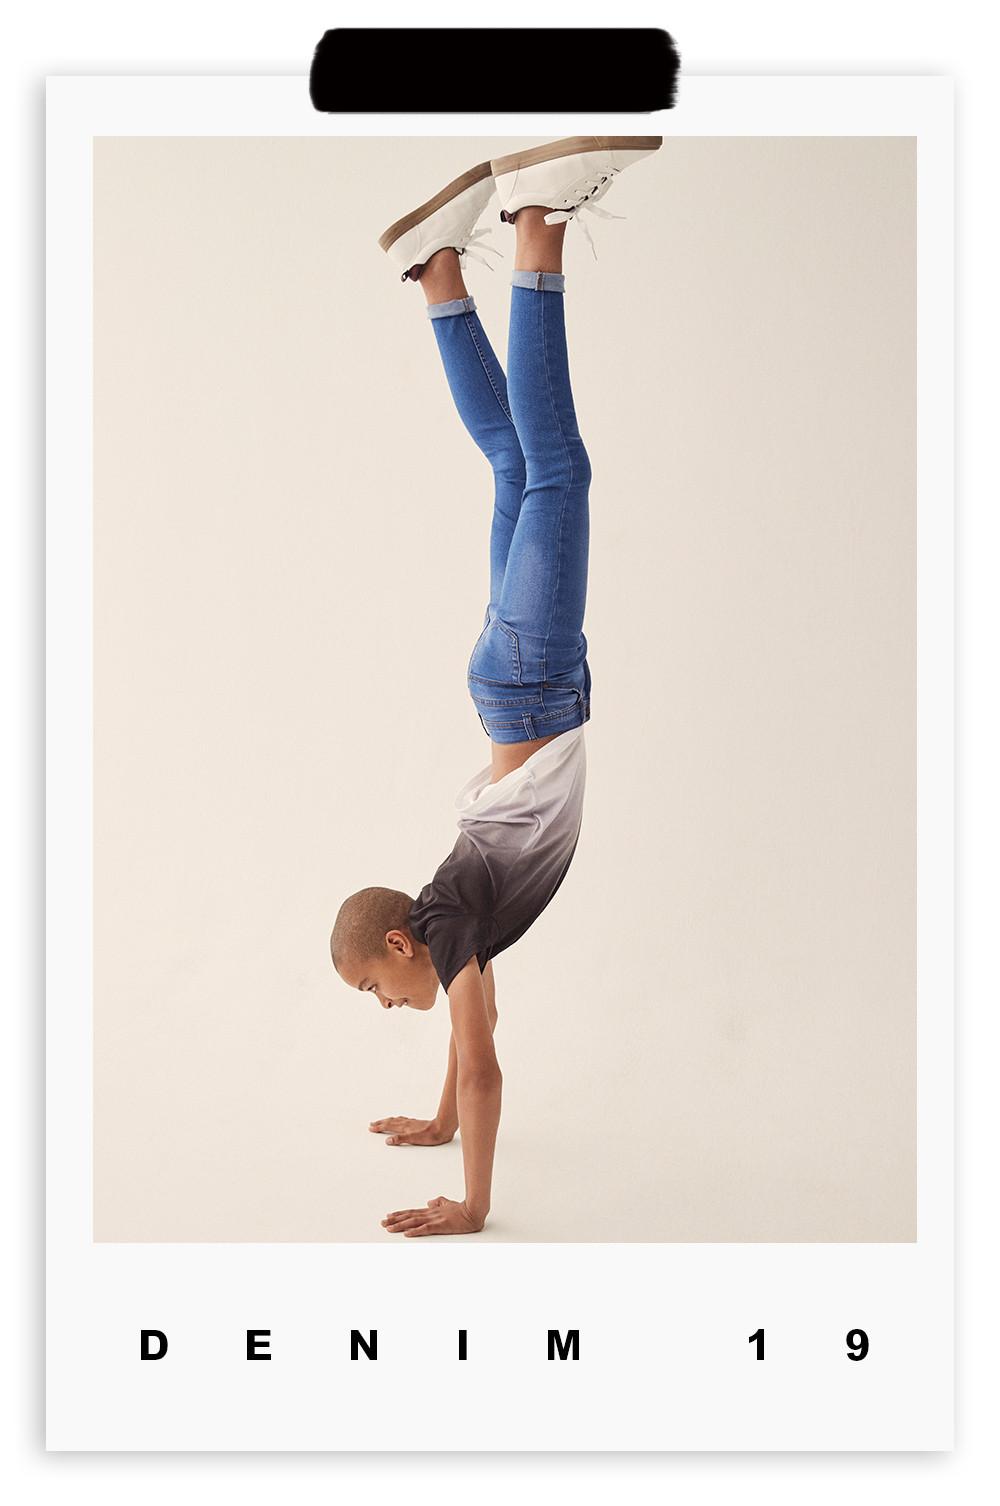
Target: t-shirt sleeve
455, 913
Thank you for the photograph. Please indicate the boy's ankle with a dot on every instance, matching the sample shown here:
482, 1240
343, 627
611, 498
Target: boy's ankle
441, 276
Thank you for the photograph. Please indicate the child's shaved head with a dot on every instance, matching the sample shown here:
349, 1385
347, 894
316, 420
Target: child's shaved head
362, 921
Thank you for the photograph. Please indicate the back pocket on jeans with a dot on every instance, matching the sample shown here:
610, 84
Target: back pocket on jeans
559, 701
495, 659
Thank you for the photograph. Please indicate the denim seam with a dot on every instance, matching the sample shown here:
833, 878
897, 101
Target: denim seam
551, 716
468, 307
569, 486
515, 702
561, 711
489, 377
515, 655
480, 697
525, 700
539, 285
515, 648
527, 724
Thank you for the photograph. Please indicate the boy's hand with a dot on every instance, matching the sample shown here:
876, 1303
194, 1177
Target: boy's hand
441, 1216
402, 1131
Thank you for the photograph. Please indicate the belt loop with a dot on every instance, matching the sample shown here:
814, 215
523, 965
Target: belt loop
538, 281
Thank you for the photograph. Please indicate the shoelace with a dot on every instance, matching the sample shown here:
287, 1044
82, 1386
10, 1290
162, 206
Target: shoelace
557, 216
476, 235
462, 252
597, 190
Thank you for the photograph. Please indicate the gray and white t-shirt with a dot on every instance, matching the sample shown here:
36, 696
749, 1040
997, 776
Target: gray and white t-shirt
516, 840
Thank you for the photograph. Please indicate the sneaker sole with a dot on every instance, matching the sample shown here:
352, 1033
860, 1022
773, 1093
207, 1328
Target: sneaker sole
569, 146
450, 191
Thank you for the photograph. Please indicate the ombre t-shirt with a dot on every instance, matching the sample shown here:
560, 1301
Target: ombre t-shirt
516, 840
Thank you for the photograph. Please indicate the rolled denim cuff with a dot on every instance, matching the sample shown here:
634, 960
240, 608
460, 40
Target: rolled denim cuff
542, 282
452, 306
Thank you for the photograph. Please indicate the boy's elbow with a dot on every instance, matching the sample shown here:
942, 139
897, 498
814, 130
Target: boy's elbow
481, 1077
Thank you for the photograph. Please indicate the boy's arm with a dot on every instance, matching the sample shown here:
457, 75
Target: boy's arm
478, 1092
446, 1118
479, 1086
401, 1130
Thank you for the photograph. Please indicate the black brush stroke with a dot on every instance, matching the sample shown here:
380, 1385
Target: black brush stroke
421, 70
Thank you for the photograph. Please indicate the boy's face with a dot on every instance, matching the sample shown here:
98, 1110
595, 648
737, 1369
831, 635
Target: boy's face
402, 978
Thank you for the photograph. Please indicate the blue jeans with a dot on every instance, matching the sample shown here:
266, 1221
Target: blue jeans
528, 674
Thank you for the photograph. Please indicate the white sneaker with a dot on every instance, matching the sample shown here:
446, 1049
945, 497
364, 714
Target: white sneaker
448, 219
567, 176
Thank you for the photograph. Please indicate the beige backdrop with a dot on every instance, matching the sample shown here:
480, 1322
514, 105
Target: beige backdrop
710, 1034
